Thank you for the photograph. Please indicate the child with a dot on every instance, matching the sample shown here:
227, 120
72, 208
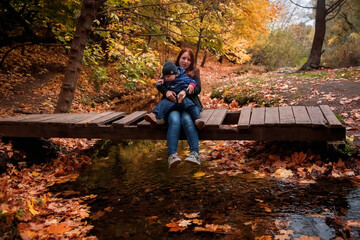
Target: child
176, 80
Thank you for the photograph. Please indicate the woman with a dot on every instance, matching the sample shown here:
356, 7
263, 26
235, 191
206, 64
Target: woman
178, 119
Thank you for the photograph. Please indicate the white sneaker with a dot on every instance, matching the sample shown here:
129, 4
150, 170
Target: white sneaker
193, 158
173, 160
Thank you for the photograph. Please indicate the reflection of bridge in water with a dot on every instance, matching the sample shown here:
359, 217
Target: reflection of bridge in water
288, 123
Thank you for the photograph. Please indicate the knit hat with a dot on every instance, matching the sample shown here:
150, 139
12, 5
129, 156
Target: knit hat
169, 68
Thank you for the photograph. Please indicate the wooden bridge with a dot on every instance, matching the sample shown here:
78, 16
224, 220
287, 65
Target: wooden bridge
289, 123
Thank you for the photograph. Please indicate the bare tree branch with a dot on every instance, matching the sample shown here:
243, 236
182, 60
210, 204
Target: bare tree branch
300, 5
337, 12
337, 4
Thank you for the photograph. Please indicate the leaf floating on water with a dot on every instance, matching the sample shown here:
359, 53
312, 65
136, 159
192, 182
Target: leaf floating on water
192, 215
199, 174
305, 182
197, 221
207, 228
353, 223
304, 237
174, 227
184, 223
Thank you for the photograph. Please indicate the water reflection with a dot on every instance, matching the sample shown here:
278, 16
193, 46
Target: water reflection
133, 184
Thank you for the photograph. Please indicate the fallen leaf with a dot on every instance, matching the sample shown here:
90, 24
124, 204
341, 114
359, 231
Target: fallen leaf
283, 173
304, 237
353, 223
192, 215
199, 174
59, 228
207, 228
185, 223
31, 208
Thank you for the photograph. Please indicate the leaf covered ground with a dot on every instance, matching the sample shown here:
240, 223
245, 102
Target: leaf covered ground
30, 83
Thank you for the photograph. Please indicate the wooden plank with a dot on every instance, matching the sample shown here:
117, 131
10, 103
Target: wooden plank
244, 119
286, 115
129, 119
18, 118
216, 118
33, 119
42, 118
89, 119
301, 115
271, 116
101, 119
257, 117
330, 116
316, 116
107, 119
206, 114
68, 118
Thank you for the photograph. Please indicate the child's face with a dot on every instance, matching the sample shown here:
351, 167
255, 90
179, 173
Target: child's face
169, 78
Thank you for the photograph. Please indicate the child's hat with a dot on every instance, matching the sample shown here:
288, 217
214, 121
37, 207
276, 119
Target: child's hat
169, 68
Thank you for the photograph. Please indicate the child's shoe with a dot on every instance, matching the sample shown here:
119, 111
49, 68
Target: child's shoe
173, 160
160, 121
151, 118
199, 123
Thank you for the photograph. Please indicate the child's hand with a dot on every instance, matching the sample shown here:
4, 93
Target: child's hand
181, 96
171, 96
160, 81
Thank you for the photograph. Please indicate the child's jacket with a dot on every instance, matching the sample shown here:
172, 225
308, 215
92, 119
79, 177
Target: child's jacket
181, 81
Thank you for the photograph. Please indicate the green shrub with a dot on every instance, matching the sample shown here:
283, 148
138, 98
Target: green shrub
282, 48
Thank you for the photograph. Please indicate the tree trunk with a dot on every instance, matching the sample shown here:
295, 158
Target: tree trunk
200, 37
320, 29
204, 59
87, 16
198, 45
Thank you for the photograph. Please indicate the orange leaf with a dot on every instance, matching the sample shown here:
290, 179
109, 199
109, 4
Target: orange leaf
207, 228
59, 228
192, 215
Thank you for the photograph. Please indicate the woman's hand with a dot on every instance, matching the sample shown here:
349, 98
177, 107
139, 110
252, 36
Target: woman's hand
171, 96
181, 96
190, 88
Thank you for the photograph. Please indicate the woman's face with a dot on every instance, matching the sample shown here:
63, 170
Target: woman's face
185, 60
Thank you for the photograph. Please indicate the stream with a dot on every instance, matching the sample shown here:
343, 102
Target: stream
137, 196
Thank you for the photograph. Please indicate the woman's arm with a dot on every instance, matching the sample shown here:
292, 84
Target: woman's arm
196, 78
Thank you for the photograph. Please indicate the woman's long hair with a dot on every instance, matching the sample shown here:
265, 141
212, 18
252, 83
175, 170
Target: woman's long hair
190, 71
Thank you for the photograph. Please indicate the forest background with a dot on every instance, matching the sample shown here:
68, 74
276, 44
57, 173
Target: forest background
129, 40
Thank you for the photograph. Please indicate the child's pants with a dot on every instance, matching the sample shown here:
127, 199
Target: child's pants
165, 105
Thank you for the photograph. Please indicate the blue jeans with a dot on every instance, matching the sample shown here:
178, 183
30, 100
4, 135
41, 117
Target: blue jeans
178, 120
166, 105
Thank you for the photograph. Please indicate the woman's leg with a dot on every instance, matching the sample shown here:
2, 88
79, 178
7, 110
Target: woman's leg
190, 131
173, 132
